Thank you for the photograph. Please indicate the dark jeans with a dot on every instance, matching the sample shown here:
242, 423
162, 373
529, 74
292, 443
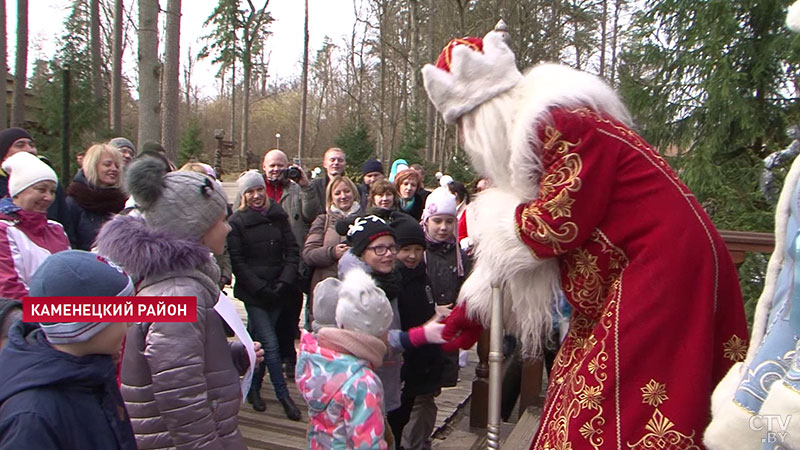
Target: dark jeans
261, 324
287, 326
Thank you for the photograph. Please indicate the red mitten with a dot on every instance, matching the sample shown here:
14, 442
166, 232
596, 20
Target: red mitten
459, 330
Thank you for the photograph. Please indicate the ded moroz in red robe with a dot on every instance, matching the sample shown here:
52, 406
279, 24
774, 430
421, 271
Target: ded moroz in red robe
657, 311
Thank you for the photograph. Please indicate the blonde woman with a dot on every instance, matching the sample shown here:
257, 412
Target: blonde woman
94, 196
324, 246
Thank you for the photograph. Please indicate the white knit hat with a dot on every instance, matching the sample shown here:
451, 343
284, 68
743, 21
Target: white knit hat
24, 170
439, 202
362, 306
326, 297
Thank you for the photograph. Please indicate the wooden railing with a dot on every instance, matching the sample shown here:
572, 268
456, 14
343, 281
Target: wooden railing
739, 243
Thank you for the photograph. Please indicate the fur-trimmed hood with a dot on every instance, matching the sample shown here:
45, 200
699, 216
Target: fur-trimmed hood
145, 252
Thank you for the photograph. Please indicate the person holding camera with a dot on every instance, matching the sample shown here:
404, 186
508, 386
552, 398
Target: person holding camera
264, 256
289, 186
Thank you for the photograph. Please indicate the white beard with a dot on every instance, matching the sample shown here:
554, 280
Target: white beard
529, 285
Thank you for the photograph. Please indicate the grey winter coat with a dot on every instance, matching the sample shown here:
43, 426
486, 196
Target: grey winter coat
301, 205
180, 381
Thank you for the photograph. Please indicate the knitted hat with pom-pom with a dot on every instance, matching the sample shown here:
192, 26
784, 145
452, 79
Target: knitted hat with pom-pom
182, 204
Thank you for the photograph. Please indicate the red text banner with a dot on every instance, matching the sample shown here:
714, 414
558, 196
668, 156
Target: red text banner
109, 309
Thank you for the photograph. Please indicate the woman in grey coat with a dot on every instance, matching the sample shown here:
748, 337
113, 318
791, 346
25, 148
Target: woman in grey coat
180, 381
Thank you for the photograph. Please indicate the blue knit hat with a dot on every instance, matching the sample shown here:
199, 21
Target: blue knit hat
76, 273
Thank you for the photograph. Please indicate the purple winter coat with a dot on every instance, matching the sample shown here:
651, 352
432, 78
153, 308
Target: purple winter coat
180, 381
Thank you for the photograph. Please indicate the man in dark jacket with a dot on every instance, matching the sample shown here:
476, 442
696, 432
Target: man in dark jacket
334, 162
299, 201
372, 171
58, 386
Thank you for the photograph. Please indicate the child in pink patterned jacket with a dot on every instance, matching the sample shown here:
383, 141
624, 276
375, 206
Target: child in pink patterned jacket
335, 369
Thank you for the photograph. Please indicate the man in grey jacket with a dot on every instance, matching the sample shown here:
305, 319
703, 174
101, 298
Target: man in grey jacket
298, 199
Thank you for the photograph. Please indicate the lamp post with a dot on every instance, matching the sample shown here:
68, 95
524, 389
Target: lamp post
278, 139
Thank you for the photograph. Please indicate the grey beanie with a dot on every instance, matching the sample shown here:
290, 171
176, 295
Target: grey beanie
182, 204
249, 180
76, 273
362, 305
120, 142
326, 297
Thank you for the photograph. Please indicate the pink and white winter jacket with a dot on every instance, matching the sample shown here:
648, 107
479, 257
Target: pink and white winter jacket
26, 239
344, 396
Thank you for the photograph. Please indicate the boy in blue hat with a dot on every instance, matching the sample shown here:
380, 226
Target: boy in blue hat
58, 385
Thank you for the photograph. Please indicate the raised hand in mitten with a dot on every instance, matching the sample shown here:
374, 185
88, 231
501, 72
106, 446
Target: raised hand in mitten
459, 330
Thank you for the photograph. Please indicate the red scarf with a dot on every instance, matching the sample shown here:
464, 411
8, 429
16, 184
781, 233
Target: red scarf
275, 190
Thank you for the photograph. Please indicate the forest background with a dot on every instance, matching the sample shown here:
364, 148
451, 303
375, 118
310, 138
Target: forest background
712, 84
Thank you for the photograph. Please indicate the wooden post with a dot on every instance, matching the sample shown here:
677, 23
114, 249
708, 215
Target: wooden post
530, 390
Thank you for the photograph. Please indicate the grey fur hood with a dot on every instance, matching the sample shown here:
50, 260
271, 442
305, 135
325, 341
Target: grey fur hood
145, 252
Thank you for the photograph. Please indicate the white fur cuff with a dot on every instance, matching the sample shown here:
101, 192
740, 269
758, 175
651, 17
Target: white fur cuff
793, 17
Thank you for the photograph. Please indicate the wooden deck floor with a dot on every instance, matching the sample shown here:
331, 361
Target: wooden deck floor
273, 431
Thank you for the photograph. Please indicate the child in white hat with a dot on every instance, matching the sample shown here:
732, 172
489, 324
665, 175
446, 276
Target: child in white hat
335, 371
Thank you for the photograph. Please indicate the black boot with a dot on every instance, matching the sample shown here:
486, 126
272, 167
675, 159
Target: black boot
254, 397
290, 408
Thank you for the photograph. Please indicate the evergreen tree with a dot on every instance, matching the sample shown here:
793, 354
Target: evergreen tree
86, 112
190, 145
412, 145
707, 85
357, 145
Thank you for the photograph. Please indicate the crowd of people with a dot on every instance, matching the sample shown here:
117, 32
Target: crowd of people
283, 239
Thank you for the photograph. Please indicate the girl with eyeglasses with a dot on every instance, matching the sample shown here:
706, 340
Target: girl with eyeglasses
373, 249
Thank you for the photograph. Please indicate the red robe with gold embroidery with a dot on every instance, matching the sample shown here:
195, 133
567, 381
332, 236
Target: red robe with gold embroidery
657, 312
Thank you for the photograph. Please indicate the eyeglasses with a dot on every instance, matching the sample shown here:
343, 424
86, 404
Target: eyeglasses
381, 250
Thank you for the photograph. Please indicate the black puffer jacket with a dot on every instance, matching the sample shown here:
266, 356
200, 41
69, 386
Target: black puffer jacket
441, 260
422, 366
263, 252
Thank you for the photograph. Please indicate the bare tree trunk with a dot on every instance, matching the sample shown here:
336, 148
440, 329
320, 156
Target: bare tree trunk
382, 149
116, 71
4, 68
172, 86
247, 68
301, 139
416, 81
603, 34
187, 79
430, 116
614, 36
233, 107
21, 68
95, 48
149, 73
